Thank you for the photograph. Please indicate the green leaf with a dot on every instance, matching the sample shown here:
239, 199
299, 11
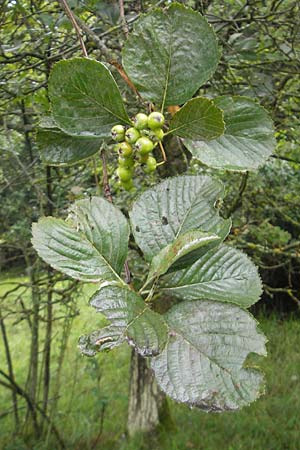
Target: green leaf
59, 148
248, 139
203, 361
169, 54
198, 119
174, 207
129, 316
182, 246
91, 248
85, 98
223, 273
105, 227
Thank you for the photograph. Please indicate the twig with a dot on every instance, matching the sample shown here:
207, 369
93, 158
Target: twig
123, 18
163, 151
238, 200
31, 404
69, 13
106, 186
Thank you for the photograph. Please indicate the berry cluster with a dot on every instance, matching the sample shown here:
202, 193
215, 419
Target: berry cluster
135, 145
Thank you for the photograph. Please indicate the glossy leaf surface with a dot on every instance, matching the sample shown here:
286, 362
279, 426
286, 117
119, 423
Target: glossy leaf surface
199, 118
59, 148
203, 362
248, 139
169, 54
85, 98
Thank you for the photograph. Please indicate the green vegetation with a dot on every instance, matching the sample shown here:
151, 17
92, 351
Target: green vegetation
255, 67
88, 384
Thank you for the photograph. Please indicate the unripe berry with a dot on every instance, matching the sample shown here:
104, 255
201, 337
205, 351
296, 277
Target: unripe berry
124, 174
118, 133
144, 145
143, 158
159, 133
125, 149
132, 135
126, 162
151, 164
155, 120
127, 185
140, 121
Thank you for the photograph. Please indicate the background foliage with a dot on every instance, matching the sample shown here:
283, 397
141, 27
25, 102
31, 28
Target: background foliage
260, 43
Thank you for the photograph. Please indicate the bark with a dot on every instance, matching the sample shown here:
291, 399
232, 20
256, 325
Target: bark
147, 407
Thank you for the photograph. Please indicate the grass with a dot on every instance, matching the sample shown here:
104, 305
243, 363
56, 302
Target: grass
272, 423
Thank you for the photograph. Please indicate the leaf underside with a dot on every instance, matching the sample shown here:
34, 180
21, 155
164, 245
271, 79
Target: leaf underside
129, 316
202, 363
183, 246
84, 249
223, 273
175, 206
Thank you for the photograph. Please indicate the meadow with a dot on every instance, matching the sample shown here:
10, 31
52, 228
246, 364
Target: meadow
100, 384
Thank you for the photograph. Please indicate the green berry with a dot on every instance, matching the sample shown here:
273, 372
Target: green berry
124, 174
125, 149
151, 164
127, 185
145, 132
118, 133
159, 133
140, 121
144, 158
155, 120
126, 162
132, 135
144, 145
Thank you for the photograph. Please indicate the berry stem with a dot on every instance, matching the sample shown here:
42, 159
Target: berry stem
162, 151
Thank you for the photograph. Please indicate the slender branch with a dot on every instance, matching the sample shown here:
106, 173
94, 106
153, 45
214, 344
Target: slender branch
106, 186
32, 405
123, 18
10, 369
69, 13
238, 200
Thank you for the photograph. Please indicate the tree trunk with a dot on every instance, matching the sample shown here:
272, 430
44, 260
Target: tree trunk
147, 403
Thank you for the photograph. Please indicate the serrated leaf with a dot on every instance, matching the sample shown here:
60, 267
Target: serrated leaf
248, 139
182, 246
105, 339
203, 361
85, 98
105, 227
88, 251
127, 312
59, 148
223, 273
175, 206
169, 54
198, 119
